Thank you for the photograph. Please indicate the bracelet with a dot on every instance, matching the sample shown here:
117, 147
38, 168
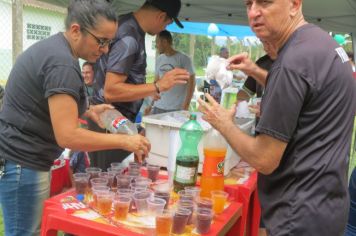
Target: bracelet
157, 87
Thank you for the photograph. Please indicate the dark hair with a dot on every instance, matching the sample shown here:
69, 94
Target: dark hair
165, 34
88, 64
223, 49
87, 12
350, 55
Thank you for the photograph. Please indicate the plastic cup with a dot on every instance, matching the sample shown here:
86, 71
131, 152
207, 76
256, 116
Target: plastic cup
204, 202
164, 195
134, 169
180, 219
204, 217
121, 206
104, 202
123, 181
94, 172
185, 195
155, 205
219, 199
99, 182
162, 185
134, 164
152, 172
108, 176
144, 184
96, 189
164, 222
187, 204
193, 190
127, 192
116, 165
114, 172
81, 182
140, 199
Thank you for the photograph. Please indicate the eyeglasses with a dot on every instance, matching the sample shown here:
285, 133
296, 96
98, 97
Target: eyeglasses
102, 42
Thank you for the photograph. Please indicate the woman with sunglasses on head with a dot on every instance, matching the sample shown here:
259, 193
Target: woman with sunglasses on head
45, 95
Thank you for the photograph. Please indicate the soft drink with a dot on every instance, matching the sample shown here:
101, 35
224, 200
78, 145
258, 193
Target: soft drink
213, 167
115, 122
188, 157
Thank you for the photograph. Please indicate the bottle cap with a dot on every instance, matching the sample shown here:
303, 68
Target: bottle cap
193, 117
80, 197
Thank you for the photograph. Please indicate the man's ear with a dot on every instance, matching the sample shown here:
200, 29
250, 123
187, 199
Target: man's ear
295, 7
75, 32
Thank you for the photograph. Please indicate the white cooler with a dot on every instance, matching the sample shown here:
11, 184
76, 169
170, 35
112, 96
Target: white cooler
163, 132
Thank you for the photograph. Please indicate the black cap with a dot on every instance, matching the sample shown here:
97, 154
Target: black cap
171, 7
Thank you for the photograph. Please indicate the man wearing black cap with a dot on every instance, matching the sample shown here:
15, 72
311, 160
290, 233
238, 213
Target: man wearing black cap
120, 75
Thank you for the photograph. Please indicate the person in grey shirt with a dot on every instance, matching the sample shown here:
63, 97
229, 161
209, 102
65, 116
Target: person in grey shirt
302, 146
177, 98
45, 95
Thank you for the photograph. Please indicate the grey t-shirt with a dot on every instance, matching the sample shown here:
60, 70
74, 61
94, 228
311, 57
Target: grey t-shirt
127, 56
172, 99
309, 102
45, 69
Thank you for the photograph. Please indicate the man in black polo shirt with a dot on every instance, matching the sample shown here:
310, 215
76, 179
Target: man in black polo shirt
120, 74
304, 133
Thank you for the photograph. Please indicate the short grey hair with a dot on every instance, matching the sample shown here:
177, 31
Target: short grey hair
86, 13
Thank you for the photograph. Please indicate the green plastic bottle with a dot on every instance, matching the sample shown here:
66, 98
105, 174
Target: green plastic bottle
187, 160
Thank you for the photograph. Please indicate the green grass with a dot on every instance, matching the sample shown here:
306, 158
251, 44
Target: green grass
199, 72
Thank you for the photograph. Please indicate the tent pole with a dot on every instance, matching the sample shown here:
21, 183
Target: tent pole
17, 36
213, 45
192, 46
353, 38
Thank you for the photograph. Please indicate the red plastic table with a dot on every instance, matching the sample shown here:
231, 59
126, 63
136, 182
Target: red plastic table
247, 194
55, 219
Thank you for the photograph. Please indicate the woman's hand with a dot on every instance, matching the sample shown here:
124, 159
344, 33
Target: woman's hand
94, 113
138, 144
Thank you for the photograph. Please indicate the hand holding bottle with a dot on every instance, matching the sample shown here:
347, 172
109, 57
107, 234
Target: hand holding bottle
115, 122
95, 111
139, 145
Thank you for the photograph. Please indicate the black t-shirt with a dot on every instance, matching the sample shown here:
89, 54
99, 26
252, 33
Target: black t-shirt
310, 103
251, 86
127, 56
45, 69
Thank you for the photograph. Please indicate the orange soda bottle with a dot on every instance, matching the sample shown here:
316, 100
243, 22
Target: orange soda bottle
212, 177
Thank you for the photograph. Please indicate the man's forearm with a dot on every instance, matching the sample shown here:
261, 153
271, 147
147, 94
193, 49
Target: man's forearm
190, 91
259, 152
124, 92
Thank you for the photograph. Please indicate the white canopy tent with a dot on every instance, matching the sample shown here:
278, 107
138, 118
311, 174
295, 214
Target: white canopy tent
331, 15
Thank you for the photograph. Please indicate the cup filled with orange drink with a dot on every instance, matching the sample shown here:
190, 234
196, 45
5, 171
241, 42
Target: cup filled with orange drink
104, 202
219, 199
164, 222
95, 190
121, 206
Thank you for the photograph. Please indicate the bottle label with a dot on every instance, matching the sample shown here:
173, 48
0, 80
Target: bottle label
119, 121
213, 163
185, 175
